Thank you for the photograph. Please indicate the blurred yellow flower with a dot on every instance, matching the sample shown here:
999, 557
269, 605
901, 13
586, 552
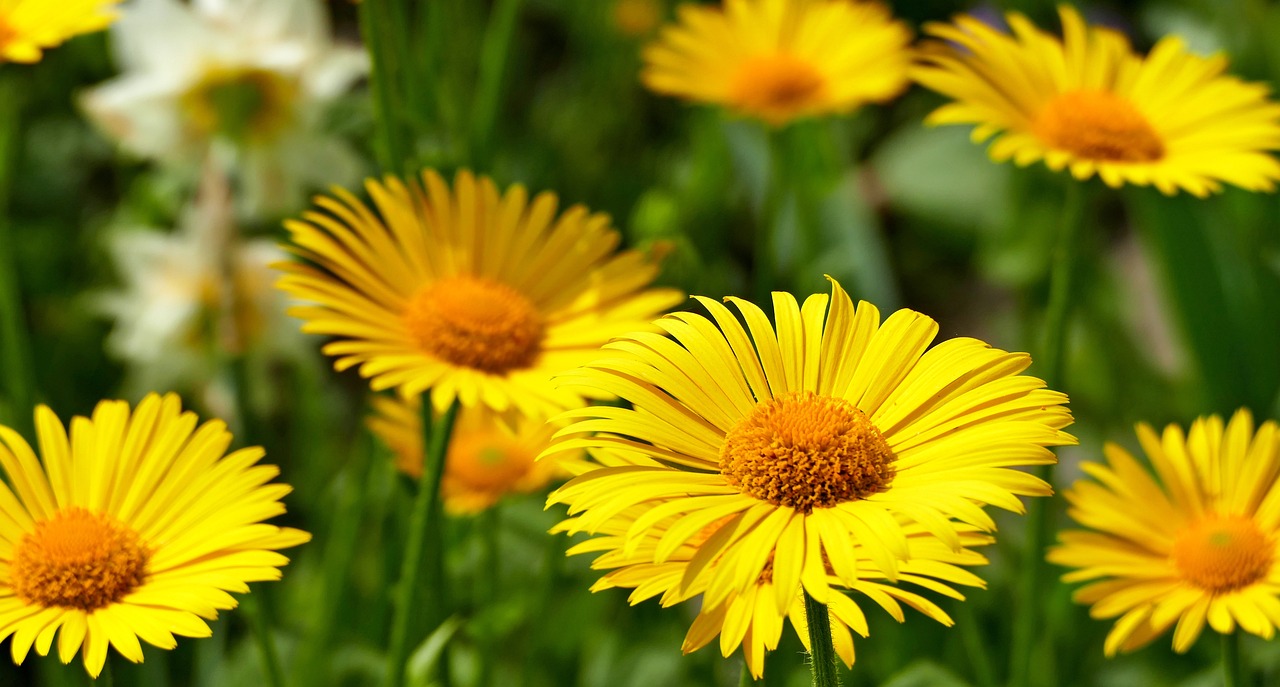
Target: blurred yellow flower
489, 455
135, 527
751, 617
28, 27
1088, 103
1196, 545
471, 294
822, 436
636, 17
779, 60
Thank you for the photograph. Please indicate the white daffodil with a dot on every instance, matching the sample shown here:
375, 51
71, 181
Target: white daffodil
195, 298
244, 80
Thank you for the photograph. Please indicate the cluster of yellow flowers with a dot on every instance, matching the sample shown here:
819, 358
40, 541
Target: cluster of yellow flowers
762, 464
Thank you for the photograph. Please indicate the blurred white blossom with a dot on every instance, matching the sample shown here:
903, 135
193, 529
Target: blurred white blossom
246, 81
193, 300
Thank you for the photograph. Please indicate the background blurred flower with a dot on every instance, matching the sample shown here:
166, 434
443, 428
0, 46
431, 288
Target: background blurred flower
28, 27
193, 297
1087, 103
1198, 544
135, 527
490, 455
251, 77
475, 295
778, 60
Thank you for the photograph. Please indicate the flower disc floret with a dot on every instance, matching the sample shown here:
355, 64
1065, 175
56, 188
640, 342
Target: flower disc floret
1221, 555
476, 323
78, 559
805, 451
1099, 125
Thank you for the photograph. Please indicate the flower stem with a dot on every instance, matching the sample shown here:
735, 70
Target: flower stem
16, 350
493, 63
822, 651
424, 526
744, 678
487, 596
1232, 668
381, 33
253, 607
1028, 627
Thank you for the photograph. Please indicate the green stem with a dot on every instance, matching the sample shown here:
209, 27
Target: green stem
423, 524
253, 607
772, 210
381, 33
822, 651
105, 678
744, 678
1232, 667
975, 645
493, 64
1028, 627
17, 369
491, 524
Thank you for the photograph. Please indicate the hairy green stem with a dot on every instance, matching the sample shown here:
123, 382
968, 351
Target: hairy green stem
822, 650
382, 36
1232, 668
424, 528
253, 606
1028, 626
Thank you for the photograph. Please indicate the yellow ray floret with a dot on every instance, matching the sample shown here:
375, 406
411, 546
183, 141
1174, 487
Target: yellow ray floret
1195, 544
778, 60
472, 294
820, 435
1087, 103
28, 27
751, 618
132, 526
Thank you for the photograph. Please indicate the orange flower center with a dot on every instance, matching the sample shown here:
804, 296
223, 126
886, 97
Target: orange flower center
78, 559
476, 323
487, 461
776, 87
1223, 554
805, 451
1100, 126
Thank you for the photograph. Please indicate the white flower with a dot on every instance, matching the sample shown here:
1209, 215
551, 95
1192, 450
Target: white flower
194, 298
244, 80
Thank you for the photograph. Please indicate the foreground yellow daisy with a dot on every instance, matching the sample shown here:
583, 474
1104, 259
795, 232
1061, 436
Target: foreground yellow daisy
751, 618
778, 60
1088, 103
816, 438
489, 456
28, 27
473, 294
135, 527
1196, 545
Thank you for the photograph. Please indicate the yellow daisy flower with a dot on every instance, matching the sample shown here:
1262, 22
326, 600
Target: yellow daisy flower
472, 294
135, 527
28, 27
1088, 103
489, 455
833, 424
1197, 544
778, 60
751, 618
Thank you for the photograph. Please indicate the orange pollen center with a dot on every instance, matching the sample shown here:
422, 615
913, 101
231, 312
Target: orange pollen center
476, 323
1223, 554
78, 559
487, 461
1100, 126
805, 451
776, 87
